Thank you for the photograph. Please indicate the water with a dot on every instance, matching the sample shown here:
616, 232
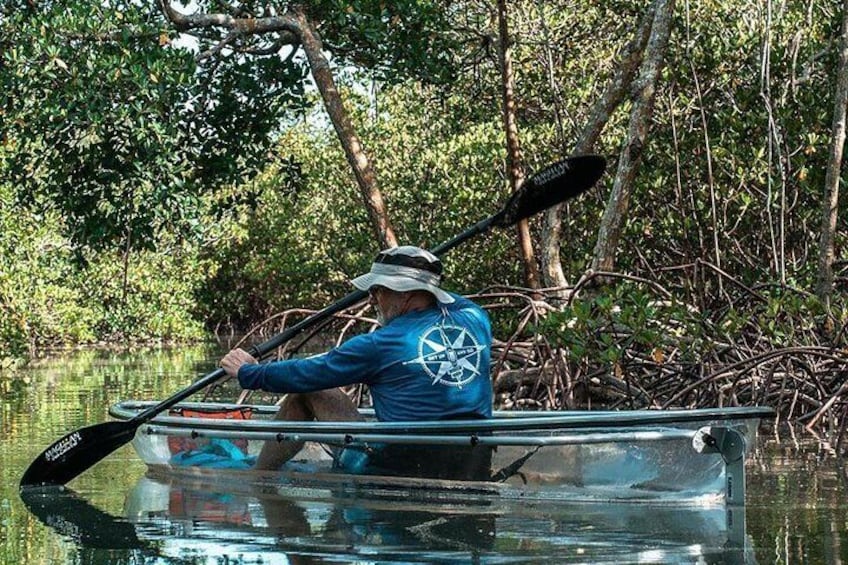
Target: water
796, 513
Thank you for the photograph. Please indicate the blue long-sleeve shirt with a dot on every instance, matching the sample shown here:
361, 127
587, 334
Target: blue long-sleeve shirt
424, 365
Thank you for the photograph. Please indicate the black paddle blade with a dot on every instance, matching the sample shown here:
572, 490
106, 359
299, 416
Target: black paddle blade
74, 517
76, 452
554, 184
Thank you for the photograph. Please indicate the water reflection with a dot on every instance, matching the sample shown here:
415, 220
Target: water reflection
181, 522
796, 508
305, 529
70, 515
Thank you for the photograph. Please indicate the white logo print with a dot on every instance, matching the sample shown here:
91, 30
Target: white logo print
449, 355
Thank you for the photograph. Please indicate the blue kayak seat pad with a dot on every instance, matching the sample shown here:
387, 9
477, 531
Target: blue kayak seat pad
217, 454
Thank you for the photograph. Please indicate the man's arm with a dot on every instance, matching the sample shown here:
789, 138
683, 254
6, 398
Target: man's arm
355, 361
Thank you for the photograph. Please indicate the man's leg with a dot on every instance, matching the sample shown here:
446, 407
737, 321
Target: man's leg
326, 405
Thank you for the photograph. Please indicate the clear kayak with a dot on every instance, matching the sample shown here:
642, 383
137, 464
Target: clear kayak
258, 522
669, 456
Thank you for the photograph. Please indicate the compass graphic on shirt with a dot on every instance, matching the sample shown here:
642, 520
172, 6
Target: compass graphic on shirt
449, 355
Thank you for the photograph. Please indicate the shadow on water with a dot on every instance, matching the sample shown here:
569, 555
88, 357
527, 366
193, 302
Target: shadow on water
172, 522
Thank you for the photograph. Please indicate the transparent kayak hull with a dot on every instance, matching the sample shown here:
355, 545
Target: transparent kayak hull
677, 456
281, 519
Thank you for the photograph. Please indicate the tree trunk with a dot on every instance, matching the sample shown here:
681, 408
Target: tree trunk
830, 206
599, 115
515, 169
293, 28
612, 222
353, 149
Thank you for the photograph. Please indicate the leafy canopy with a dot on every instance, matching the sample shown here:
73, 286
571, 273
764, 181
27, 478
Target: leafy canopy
107, 121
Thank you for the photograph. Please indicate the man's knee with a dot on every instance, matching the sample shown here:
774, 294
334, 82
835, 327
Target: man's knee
330, 405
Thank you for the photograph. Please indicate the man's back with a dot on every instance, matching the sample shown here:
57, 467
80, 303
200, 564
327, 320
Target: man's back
433, 364
429, 364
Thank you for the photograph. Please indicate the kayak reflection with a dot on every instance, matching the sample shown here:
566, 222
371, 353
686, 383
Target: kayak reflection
297, 525
308, 525
169, 520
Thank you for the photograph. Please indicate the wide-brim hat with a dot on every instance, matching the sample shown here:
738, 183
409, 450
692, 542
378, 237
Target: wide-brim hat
404, 269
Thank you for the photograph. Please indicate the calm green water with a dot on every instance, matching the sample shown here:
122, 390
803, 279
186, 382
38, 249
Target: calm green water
797, 510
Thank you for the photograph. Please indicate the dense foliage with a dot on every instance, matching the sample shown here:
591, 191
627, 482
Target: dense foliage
120, 132
129, 192
112, 138
47, 297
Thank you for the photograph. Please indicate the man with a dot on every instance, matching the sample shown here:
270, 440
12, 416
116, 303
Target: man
429, 360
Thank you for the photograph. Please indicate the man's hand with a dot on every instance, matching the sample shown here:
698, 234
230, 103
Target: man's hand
235, 359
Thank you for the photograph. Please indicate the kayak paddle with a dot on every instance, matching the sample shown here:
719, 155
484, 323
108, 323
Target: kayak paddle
79, 450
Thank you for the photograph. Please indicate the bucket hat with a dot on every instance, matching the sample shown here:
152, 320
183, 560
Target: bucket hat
404, 269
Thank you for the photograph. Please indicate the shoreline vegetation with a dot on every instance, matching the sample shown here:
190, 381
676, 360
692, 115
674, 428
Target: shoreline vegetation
164, 175
637, 345
631, 343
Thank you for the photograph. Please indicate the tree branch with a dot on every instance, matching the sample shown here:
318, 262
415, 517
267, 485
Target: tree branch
286, 25
219, 46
